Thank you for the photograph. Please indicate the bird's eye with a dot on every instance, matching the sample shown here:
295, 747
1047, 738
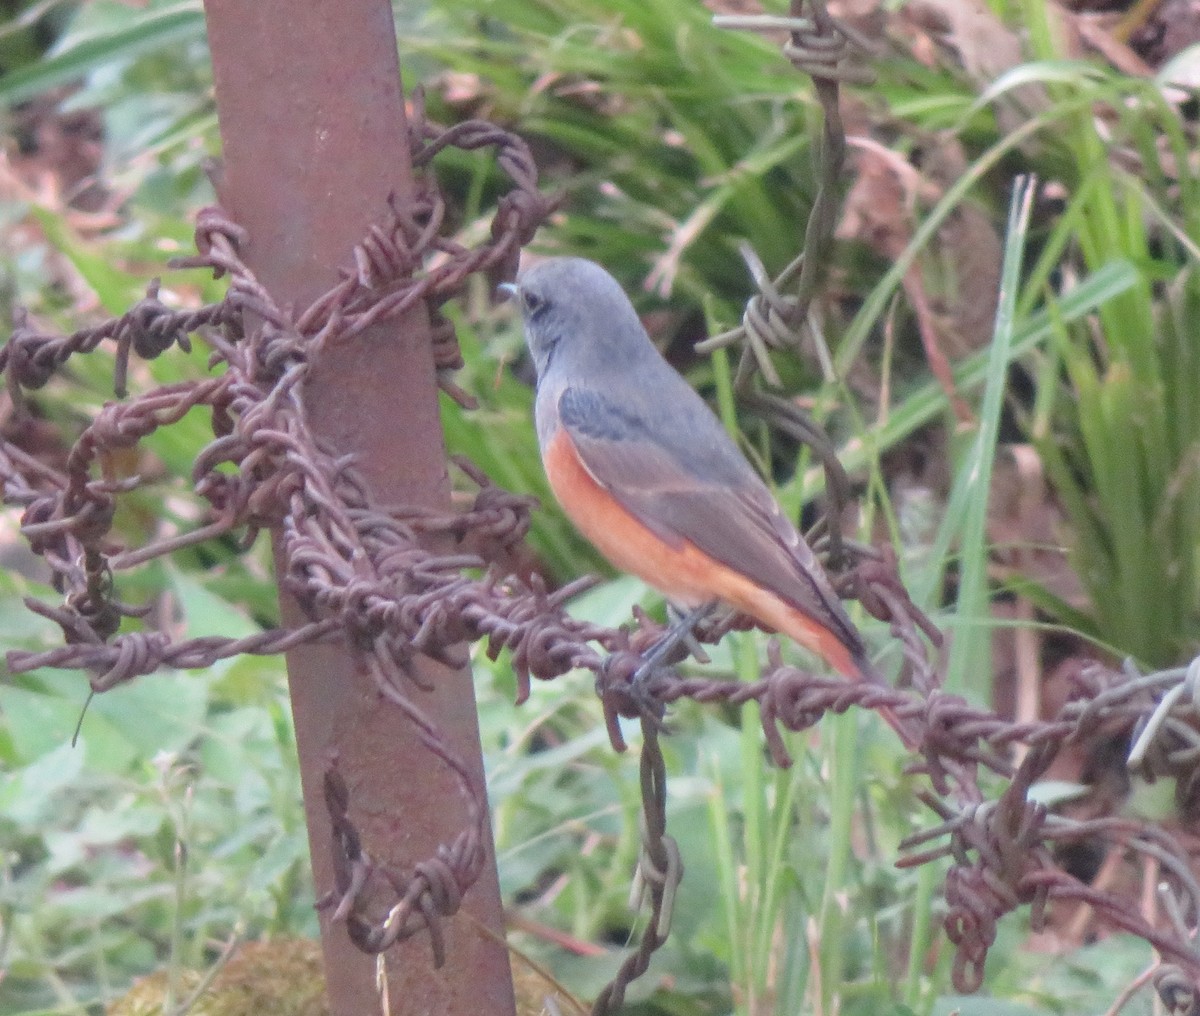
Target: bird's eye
534, 304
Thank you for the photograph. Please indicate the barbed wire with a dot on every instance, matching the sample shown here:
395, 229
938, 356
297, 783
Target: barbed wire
354, 569
829, 51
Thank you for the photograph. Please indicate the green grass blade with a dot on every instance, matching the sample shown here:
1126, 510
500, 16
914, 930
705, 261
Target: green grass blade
146, 33
967, 512
926, 401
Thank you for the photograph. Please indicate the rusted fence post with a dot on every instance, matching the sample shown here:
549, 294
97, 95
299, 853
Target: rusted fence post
314, 135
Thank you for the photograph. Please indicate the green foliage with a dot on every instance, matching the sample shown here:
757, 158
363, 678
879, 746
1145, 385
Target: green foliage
176, 818
106, 37
171, 818
1119, 440
665, 134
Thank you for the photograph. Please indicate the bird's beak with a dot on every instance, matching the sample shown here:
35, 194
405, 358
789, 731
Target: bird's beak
509, 289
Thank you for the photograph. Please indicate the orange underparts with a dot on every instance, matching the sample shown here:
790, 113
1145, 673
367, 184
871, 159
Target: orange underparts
684, 574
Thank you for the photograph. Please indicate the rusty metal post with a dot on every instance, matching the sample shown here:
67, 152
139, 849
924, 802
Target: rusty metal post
314, 135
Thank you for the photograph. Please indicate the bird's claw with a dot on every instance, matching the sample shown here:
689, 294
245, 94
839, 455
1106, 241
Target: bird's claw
629, 685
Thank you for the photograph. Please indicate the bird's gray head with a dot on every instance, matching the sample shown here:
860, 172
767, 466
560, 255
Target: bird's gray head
574, 310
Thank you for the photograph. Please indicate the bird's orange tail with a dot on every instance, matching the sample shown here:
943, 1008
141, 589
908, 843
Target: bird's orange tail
847, 662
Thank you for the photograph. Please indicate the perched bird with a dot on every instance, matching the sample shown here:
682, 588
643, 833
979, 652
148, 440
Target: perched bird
647, 473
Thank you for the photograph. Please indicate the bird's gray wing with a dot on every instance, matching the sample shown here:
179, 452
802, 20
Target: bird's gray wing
692, 484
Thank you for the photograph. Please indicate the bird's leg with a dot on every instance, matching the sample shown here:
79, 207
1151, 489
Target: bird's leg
682, 627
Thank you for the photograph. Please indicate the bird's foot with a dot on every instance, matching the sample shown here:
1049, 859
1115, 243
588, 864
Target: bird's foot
681, 632
626, 683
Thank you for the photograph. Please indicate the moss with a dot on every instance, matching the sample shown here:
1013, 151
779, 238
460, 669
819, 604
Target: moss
282, 977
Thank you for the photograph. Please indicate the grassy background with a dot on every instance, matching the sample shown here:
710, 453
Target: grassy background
176, 819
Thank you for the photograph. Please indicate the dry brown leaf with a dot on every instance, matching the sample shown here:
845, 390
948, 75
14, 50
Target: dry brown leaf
985, 47
880, 210
981, 43
1095, 32
965, 278
1170, 28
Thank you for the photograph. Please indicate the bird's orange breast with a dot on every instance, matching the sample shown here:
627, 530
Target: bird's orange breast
683, 573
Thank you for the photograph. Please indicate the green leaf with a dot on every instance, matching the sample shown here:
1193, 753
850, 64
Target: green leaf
158, 712
28, 795
146, 33
967, 511
40, 721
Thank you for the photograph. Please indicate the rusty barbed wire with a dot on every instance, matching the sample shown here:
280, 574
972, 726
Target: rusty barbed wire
828, 50
1002, 849
659, 872
1001, 853
359, 576
353, 569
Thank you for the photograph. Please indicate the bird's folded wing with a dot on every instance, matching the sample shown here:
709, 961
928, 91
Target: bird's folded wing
726, 512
